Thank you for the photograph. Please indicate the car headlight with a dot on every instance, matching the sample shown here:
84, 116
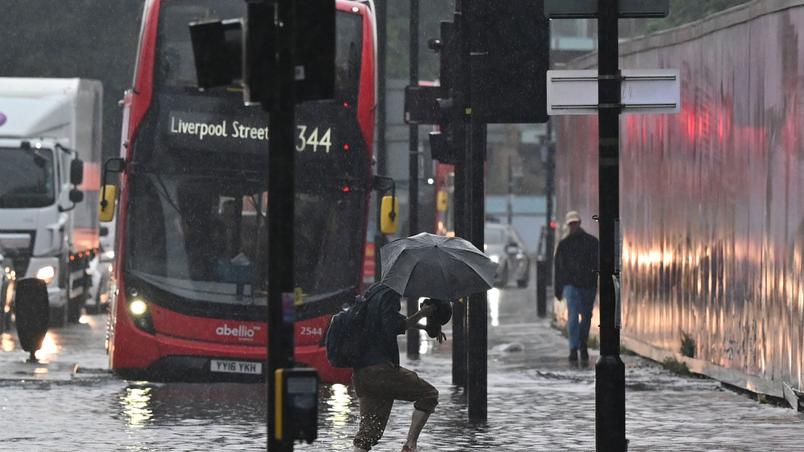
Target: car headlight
46, 274
495, 258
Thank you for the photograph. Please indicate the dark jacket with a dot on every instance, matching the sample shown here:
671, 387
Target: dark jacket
385, 323
576, 262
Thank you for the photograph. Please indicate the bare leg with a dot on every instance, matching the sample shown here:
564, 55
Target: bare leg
416, 425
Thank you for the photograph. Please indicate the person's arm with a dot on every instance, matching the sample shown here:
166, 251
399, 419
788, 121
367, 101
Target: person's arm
412, 322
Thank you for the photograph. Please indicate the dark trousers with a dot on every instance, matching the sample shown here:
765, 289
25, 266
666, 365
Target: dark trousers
377, 387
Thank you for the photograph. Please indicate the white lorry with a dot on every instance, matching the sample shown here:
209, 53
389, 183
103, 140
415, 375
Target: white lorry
50, 151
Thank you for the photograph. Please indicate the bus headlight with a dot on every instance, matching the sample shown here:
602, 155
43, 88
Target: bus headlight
495, 258
46, 274
138, 308
141, 315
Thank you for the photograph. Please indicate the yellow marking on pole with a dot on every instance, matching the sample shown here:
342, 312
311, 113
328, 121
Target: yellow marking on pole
278, 404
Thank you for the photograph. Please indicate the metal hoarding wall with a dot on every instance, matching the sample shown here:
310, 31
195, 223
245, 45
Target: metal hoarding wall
712, 198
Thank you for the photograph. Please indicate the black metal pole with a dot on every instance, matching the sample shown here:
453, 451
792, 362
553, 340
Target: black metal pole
609, 370
550, 192
510, 203
459, 309
461, 211
477, 311
413, 166
281, 189
382, 33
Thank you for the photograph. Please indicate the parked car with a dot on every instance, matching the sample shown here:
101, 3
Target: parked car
7, 283
504, 246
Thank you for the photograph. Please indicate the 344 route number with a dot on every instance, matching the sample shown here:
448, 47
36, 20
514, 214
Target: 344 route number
311, 140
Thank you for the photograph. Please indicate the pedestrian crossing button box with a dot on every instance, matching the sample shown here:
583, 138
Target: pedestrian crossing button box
297, 404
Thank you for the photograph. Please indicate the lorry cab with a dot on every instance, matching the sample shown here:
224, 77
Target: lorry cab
50, 134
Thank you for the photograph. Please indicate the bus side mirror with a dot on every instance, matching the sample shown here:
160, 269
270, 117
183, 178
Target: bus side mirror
108, 201
442, 202
389, 215
76, 173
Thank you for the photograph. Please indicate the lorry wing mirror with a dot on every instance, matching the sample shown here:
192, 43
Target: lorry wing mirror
76, 196
389, 215
108, 200
76, 172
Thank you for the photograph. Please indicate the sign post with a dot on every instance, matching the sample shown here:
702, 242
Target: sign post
609, 369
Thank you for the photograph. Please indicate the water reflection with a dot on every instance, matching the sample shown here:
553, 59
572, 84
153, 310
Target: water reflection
135, 405
337, 405
8, 343
493, 297
169, 403
51, 346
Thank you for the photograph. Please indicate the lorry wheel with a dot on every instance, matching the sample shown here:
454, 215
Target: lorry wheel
58, 316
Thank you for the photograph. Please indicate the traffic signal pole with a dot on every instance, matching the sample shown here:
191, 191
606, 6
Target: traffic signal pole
380, 150
609, 369
413, 168
477, 311
463, 183
281, 189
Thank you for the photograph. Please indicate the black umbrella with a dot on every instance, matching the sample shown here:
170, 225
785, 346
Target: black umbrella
427, 265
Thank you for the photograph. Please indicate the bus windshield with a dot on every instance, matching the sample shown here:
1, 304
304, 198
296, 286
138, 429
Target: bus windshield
26, 178
198, 203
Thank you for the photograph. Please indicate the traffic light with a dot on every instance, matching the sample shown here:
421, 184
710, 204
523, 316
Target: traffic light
314, 51
447, 144
509, 44
216, 49
259, 46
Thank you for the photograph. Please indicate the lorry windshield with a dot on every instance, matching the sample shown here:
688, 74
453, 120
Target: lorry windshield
26, 178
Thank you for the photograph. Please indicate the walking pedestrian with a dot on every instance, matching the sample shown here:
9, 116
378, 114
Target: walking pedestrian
379, 379
576, 264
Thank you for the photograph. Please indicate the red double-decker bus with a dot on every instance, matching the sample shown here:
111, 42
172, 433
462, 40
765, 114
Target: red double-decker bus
192, 217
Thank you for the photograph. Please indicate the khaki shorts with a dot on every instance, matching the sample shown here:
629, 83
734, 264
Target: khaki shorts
377, 387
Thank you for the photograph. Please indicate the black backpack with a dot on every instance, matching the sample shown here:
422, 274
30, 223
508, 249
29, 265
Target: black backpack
346, 336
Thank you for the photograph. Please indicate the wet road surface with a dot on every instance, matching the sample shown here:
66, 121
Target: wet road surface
536, 401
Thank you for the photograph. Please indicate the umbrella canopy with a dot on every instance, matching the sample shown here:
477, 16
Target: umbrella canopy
427, 265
